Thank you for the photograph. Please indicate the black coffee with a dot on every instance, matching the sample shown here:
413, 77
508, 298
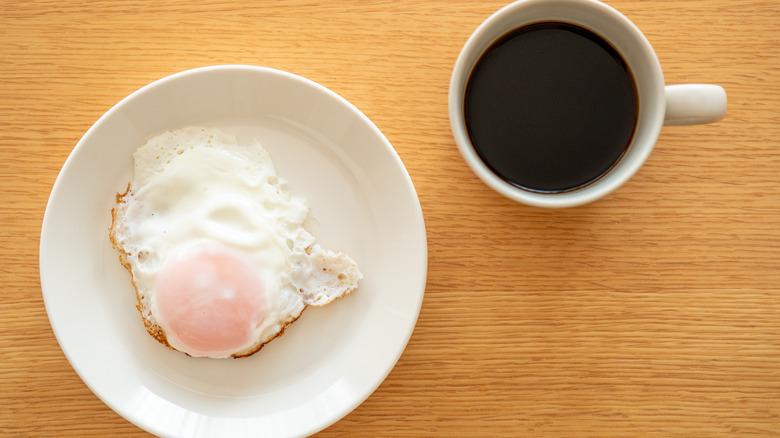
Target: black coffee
551, 107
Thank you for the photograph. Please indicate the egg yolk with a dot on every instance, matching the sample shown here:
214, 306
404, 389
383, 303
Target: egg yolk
210, 303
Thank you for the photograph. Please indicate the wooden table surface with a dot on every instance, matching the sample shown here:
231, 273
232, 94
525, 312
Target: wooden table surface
655, 311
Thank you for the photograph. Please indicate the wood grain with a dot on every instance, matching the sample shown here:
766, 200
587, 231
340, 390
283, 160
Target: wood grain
655, 311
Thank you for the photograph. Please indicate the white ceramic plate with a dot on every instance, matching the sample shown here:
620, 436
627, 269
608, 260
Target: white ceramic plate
362, 202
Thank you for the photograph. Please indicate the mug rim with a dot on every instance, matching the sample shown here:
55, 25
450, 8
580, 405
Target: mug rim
650, 90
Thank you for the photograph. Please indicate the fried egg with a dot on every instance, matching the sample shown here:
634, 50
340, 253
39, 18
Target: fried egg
216, 247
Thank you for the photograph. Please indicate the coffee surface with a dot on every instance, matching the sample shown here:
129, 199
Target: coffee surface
551, 107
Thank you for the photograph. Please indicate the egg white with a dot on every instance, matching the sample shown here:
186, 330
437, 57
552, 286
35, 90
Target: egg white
198, 186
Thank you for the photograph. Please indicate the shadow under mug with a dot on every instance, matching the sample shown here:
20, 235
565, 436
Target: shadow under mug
658, 104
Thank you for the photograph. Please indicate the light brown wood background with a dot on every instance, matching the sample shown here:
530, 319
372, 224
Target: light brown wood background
655, 311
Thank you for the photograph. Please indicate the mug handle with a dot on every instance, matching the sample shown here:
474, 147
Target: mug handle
694, 104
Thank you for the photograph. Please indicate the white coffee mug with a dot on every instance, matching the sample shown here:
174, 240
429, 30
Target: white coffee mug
658, 104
